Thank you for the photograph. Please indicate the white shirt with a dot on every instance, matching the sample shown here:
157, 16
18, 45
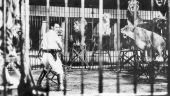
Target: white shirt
51, 40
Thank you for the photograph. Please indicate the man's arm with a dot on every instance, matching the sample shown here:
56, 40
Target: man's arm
59, 43
60, 46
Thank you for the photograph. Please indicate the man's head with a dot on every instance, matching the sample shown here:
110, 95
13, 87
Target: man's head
55, 26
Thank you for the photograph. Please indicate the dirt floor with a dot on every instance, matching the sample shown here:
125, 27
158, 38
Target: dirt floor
91, 81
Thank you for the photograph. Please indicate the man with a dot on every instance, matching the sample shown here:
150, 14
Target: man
51, 42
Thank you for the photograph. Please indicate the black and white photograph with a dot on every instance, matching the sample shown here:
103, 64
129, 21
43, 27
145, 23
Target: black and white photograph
84, 48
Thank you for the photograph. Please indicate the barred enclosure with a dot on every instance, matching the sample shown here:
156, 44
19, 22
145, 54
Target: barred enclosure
37, 16
110, 47
118, 54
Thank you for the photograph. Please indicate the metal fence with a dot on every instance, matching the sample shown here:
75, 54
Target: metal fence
37, 16
103, 56
114, 58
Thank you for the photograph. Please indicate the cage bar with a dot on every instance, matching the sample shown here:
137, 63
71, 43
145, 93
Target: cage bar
82, 42
118, 47
135, 62
4, 43
168, 76
100, 47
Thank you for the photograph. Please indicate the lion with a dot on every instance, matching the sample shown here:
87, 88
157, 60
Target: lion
139, 22
131, 12
146, 40
106, 24
76, 36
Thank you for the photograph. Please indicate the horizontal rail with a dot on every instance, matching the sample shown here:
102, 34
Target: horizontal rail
111, 94
36, 10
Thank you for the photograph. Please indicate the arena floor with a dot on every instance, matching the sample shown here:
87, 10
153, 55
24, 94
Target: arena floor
73, 77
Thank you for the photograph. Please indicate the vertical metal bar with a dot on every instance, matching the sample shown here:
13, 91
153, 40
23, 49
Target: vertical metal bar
168, 76
151, 74
27, 33
4, 45
135, 52
92, 37
100, 46
55, 11
47, 28
82, 41
66, 43
60, 14
47, 13
118, 45
92, 34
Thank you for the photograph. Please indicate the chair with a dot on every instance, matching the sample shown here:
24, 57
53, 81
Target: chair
50, 74
127, 57
105, 47
76, 53
141, 67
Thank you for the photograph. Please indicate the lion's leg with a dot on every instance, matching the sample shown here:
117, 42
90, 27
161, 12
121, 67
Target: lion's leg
149, 54
159, 58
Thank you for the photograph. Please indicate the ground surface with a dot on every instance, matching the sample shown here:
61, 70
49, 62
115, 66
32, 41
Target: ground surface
73, 77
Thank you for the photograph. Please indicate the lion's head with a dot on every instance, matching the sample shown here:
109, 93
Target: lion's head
106, 18
160, 2
163, 8
128, 31
132, 4
77, 24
